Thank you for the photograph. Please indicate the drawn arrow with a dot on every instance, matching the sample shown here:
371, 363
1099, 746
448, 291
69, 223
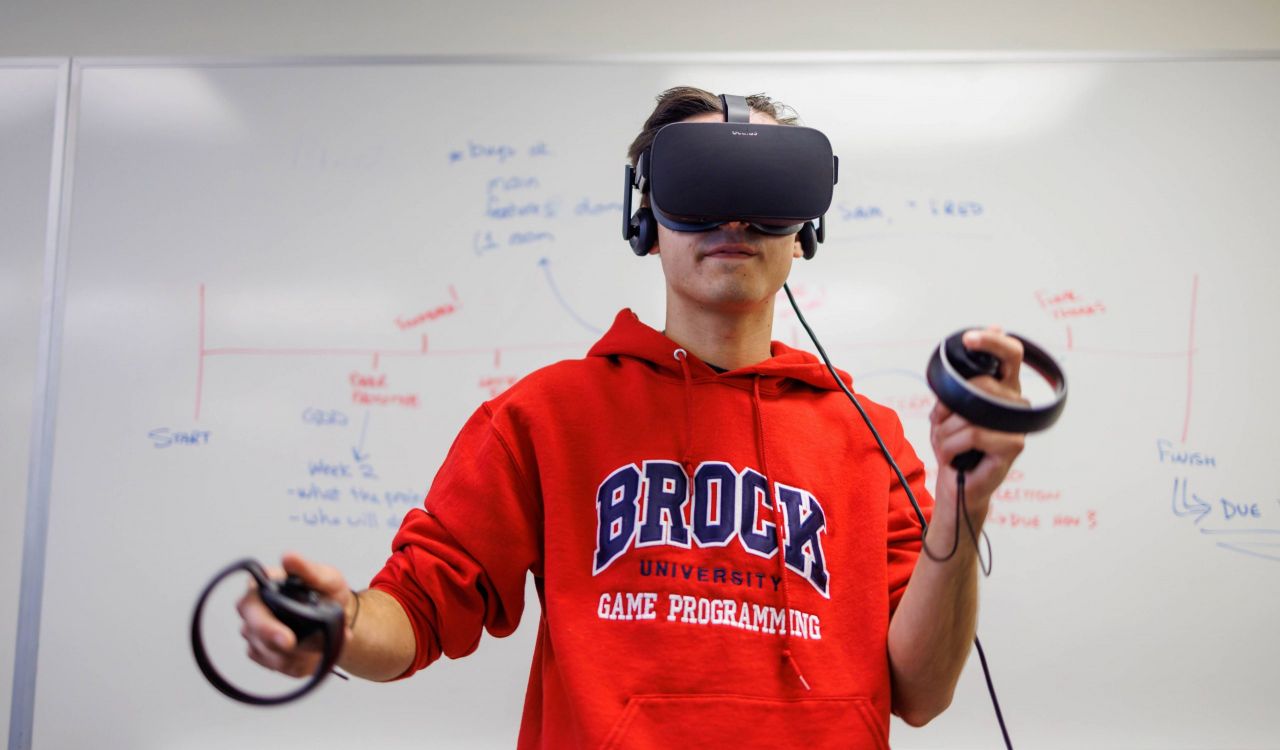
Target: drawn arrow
1182, 508
1269, 555
546, 270
1247, 546
1239, 531
357, 451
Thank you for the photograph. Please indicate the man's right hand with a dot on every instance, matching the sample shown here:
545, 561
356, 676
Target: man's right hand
271, 643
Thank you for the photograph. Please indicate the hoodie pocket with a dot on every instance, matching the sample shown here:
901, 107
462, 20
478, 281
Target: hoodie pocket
746, 723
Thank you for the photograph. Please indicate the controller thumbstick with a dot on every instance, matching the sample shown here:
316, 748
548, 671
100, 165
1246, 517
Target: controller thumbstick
295, 588
970, 363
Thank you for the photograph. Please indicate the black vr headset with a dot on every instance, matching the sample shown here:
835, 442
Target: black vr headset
778, 178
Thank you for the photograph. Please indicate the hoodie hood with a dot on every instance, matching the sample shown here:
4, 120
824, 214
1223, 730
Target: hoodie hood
629, 337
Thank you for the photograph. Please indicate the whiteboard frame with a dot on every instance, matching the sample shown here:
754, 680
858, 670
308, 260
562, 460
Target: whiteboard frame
40, 458
708, 58
35, 538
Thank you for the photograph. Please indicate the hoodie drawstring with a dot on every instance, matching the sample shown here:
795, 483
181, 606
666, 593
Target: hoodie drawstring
686, 460
778, 527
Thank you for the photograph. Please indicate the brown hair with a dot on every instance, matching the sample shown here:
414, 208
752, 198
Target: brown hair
683, 102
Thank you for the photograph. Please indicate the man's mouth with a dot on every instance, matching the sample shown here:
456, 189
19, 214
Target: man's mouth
730, 250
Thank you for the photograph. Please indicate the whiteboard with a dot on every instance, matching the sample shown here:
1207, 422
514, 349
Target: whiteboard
30, 91
273, 265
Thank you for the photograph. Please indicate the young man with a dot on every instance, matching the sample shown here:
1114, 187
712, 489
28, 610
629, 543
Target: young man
721, 552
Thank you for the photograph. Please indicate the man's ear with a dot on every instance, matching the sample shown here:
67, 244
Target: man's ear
797, 251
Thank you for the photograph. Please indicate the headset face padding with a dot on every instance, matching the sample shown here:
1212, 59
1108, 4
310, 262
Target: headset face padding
642, 234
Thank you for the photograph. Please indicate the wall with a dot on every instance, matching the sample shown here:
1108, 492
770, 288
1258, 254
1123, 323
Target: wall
302, 27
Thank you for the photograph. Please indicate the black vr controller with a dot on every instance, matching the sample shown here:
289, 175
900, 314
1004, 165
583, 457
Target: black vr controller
295, 605
952, 366
698, 176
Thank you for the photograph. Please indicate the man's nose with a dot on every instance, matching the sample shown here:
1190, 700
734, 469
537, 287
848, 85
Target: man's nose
736, 226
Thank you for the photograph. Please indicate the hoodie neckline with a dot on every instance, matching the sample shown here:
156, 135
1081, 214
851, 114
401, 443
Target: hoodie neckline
786, 366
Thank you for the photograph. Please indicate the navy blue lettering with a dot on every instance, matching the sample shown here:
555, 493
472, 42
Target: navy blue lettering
655, 506
616, 514
803, 550
665, 498
754, 493
715, 487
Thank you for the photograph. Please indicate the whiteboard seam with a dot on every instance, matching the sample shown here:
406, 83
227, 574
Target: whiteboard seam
44, 412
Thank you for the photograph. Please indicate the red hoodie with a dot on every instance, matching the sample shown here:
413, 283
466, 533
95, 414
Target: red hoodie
645, 491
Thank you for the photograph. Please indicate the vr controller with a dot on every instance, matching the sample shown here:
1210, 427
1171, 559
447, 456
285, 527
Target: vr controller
951, 367
698, 176
295, 605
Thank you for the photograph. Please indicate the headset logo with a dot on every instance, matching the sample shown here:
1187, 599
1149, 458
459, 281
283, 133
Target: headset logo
739, 132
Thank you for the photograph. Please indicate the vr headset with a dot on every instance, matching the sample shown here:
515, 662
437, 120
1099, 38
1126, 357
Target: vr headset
778, 178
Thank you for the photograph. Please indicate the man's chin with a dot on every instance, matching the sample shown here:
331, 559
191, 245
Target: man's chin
734, 298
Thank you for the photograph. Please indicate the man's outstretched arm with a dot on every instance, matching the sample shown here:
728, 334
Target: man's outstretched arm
933, 627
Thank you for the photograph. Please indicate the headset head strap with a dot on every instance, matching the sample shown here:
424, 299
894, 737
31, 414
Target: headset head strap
736, 108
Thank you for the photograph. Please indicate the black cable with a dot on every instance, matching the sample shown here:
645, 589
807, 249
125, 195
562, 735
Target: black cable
983, 565
986, 672
955, 535
902, 480
874, 433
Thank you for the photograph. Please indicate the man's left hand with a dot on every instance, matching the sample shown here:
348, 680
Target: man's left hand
951, 434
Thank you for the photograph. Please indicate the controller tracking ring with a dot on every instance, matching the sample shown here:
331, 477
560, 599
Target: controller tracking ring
952, 365
297, 607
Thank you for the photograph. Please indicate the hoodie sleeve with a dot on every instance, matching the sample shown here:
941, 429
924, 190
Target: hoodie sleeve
904, 526
458, 565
